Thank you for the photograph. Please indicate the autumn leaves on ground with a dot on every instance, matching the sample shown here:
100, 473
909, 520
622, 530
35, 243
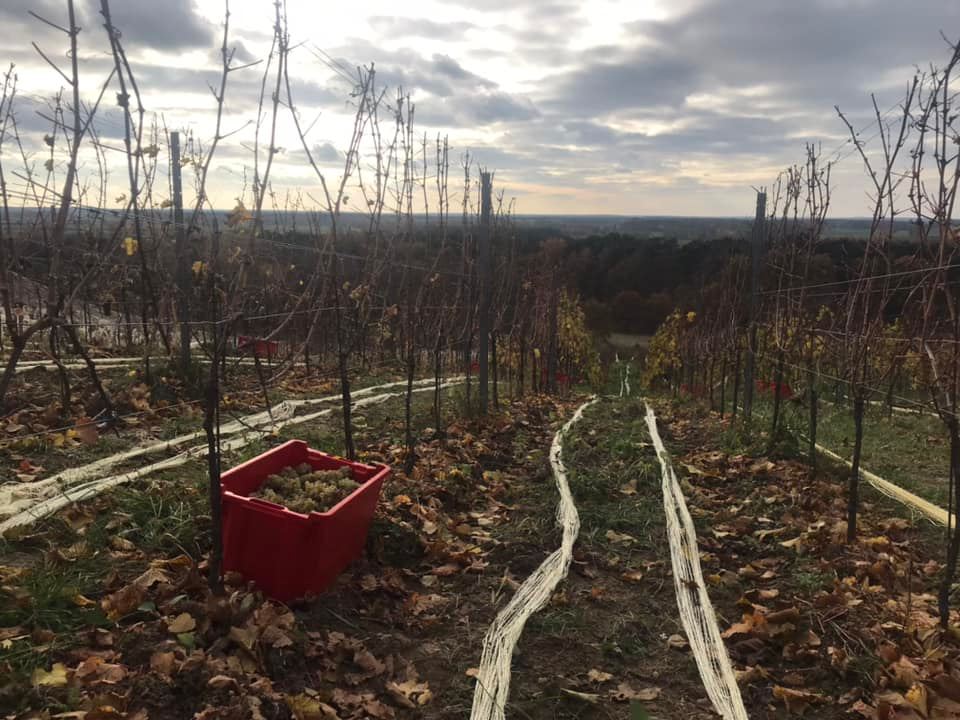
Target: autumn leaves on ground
104, 611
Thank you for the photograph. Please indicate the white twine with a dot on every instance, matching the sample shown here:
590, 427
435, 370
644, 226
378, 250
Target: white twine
693, 602
625, 382
932, 512
493, 678
28, 502
111, 363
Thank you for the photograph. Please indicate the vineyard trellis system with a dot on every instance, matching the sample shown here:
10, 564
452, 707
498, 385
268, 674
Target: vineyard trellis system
879, 326
395, 279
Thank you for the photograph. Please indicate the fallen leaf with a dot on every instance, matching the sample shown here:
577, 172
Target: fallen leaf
163, 662
625, 693
304, 707
446, 570
218, 682
918, 696
55, 677
182, 623
96, 670
598, 676
86, 431
615, 537
366, 660
796, 701
410, 693
122, 544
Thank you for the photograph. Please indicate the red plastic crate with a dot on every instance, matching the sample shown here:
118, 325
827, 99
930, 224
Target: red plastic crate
261, 348
290, 554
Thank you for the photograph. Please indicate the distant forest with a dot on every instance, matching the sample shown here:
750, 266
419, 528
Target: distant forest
628, 282
631, 284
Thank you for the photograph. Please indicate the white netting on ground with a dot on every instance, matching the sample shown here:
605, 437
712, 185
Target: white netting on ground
23, 503
693, 602
493, 677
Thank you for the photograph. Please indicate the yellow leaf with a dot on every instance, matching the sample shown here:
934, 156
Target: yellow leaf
199, 267
130, 245
918, 697
56, 677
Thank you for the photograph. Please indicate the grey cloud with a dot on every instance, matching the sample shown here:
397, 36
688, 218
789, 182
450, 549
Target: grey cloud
166, 25
326, 152
475, 109
459, 97
826, 51
645, 78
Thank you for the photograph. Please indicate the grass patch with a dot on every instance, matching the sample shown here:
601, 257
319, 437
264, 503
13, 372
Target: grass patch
910, 450
558, 621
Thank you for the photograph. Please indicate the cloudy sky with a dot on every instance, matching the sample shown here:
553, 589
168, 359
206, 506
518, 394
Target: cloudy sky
629, 107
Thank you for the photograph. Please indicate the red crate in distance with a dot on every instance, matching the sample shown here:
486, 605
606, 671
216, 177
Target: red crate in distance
261, 348
290, 554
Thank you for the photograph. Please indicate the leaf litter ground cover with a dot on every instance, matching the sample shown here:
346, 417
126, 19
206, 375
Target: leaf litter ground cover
105, 611
108, 613
814, 626
163, 409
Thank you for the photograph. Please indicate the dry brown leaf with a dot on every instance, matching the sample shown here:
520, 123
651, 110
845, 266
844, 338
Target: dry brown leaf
163, 662
86, 431
275, 637
796, 701
122, 544
598, 676
615, 537
445, 570
366, 660
96, 670
218, 682
410, 693
304, 707
625, 693
182, 623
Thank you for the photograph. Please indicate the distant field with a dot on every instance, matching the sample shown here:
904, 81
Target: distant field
629, 341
